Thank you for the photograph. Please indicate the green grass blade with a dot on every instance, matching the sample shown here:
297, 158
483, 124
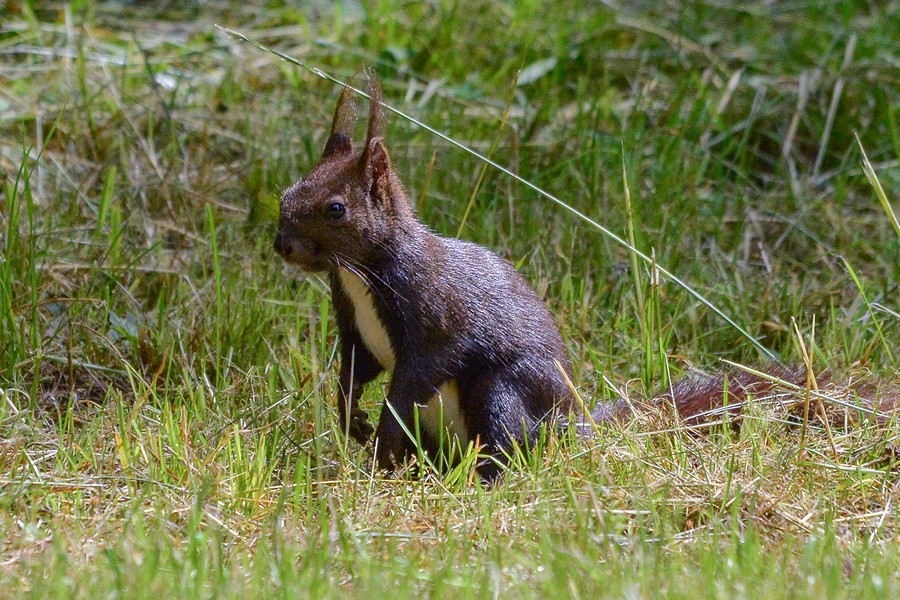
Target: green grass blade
876, 185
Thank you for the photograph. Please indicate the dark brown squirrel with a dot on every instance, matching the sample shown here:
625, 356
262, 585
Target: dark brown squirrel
472, 350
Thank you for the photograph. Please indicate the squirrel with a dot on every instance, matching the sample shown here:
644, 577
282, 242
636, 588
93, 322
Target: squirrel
472, 351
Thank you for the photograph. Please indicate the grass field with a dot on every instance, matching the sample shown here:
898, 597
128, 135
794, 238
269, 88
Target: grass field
167, 417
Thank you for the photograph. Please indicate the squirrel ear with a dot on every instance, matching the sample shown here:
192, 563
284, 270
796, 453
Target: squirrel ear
338, 143
376, 161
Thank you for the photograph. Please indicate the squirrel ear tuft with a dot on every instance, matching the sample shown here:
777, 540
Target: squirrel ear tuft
338, 143
339, 140
344, 114
376, 116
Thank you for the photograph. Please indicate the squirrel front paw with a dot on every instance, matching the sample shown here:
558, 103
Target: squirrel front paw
359, 427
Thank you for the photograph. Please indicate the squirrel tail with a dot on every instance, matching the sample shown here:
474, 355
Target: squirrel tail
700, 398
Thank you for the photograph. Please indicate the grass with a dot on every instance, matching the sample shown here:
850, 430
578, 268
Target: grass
167, 419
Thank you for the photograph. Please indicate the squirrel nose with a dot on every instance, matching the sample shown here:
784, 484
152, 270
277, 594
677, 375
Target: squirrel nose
293, 248
286, 244
281, 245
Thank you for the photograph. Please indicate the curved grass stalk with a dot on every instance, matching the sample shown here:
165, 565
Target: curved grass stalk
596, 225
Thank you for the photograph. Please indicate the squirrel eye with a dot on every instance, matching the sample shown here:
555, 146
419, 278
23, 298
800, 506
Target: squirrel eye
336, 210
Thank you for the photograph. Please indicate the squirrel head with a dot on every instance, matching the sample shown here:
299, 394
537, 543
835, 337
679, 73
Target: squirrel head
350, 207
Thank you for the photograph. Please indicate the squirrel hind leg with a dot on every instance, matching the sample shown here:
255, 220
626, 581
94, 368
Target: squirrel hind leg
497, 419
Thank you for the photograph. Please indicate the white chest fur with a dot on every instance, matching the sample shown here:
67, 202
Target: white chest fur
371, 329
443, 407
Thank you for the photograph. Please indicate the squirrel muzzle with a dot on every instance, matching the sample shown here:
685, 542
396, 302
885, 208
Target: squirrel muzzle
307, 255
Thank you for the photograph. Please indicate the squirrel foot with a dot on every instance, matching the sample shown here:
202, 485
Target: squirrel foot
359, 427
